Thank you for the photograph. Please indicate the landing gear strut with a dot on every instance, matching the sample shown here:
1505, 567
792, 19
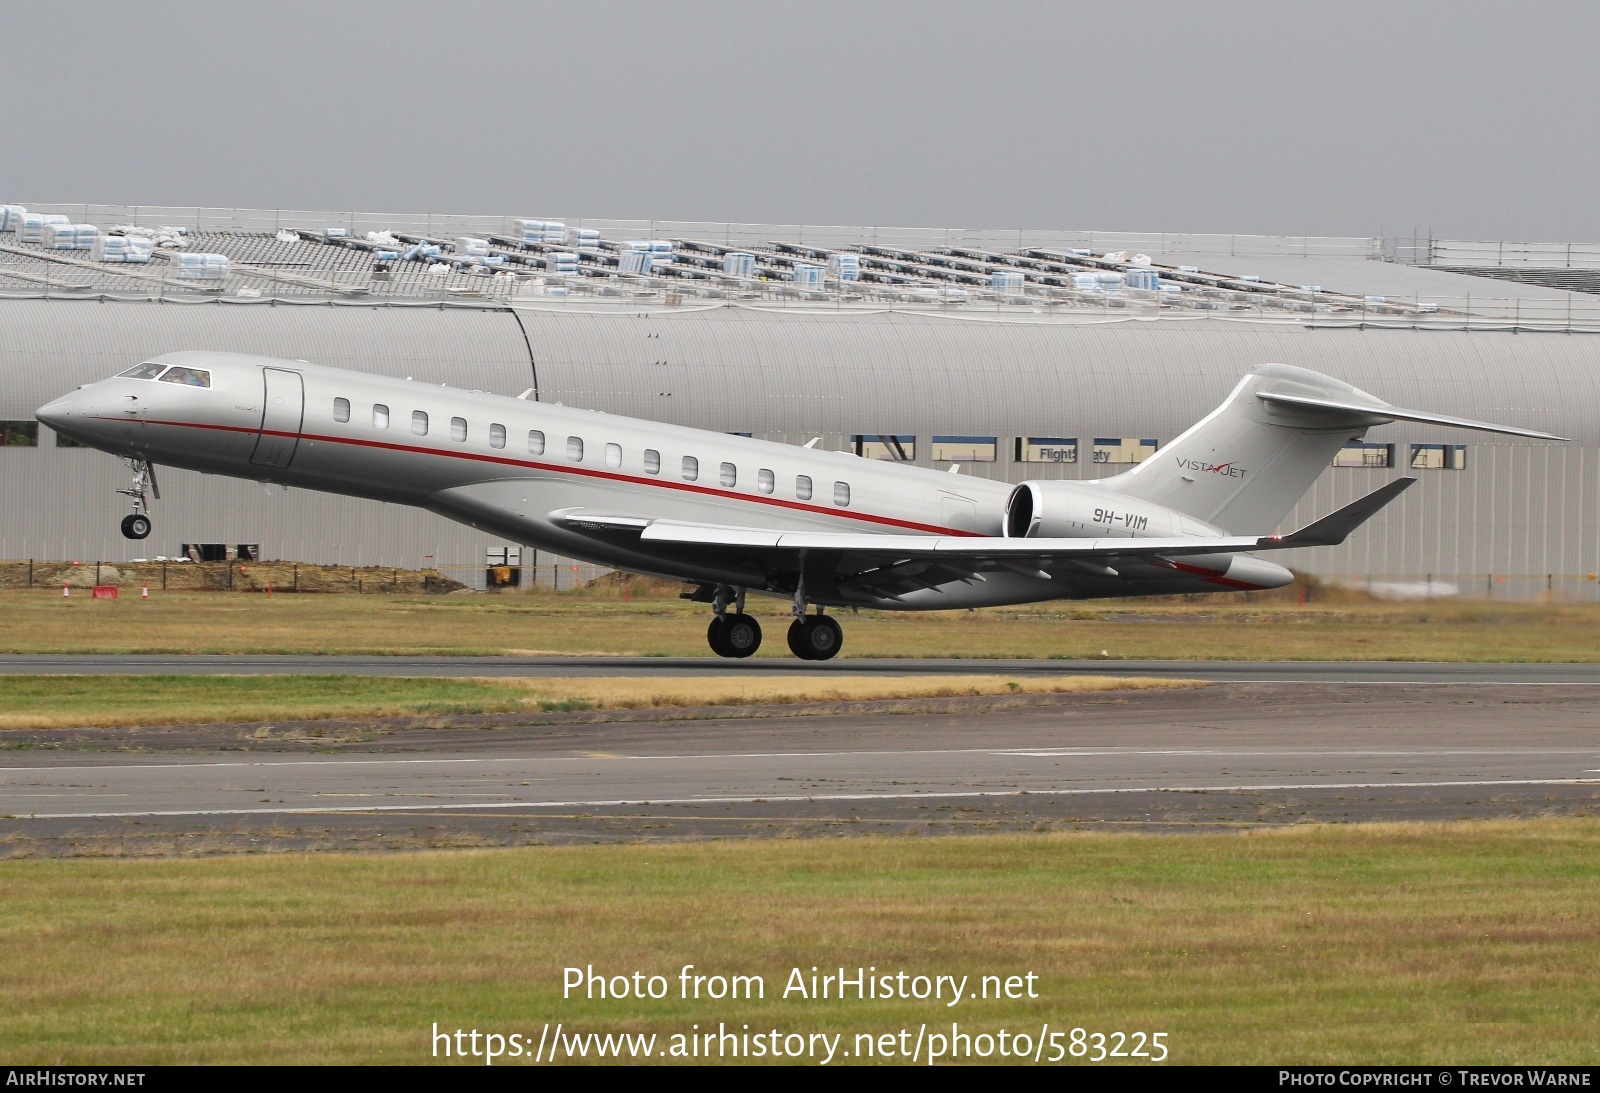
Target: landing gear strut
137, 526
734, 635
812, 637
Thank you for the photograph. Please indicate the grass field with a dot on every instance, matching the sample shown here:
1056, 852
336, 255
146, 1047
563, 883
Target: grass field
56, 702
1459, 943
1219, 628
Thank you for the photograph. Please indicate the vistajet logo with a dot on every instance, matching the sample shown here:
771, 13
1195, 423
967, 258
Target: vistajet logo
1227, 469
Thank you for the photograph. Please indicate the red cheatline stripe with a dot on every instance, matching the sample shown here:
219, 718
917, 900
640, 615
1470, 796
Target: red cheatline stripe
583, 472
1211, 577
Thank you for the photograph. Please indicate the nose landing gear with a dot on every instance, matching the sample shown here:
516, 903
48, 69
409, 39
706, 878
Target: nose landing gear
137, 526
735, 635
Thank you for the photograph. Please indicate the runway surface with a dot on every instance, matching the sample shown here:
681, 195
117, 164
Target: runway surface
1216, 756
1217, 670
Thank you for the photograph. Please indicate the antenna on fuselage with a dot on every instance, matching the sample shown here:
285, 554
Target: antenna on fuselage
813, 442
525, 394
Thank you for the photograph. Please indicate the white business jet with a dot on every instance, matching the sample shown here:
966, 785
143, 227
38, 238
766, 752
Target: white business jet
731, 514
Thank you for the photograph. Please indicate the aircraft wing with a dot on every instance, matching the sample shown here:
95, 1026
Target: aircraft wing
884, 560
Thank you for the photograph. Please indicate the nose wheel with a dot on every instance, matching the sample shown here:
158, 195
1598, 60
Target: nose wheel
137, 526
815, 637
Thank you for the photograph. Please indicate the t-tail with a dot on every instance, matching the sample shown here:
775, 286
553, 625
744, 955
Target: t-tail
1243, 466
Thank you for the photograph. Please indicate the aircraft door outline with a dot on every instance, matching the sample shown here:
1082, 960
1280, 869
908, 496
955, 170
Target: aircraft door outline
283, 408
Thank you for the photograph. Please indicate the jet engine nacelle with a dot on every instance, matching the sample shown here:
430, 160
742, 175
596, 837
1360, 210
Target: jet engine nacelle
1071, 510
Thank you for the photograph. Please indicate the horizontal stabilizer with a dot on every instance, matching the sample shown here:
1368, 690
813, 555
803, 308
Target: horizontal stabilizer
1377, 414
1336, 527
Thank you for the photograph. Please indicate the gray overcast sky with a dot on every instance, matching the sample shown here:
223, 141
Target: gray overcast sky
1472, 119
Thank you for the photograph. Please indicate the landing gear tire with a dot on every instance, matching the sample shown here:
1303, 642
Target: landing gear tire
735, 636
136, 526
815, 637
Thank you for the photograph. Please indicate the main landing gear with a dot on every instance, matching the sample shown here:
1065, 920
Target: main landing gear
812, 637
734, 635
137, 526
815, 637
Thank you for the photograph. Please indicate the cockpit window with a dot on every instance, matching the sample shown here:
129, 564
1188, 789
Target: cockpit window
189, 377
147, 371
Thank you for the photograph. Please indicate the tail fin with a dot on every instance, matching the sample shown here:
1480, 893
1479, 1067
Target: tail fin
1244, 465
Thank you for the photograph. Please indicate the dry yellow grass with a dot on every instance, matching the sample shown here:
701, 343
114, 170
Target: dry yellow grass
62, 702
627, 692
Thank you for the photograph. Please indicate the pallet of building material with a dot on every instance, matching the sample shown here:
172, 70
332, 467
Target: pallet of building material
68, 236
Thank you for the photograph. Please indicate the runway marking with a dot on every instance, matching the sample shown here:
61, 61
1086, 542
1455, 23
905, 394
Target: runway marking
1043, 753
785, 799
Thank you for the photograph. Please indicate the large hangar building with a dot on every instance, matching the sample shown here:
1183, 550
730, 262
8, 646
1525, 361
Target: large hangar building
1014, 355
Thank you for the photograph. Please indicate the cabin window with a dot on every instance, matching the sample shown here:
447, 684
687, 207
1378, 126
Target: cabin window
965, 449
728, 475
613, 456
841, 494
766, 482
341, 409
802, 487
535, 442
652, 461
1046, 449
575, 448
895, 447
1438, 457
142, 371
419, 422
19, 434
691, 468
1360, 453
1121, 449
380, 416
497, 436
189, 377
458, 428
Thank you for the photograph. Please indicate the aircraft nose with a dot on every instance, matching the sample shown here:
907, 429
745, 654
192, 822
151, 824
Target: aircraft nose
54, 414
68, 416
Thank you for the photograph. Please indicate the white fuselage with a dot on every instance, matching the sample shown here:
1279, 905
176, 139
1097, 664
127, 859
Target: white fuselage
520, 470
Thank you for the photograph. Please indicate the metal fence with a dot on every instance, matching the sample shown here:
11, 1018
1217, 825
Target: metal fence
1499, 254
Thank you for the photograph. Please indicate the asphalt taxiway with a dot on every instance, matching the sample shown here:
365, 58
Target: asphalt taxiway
1215, 756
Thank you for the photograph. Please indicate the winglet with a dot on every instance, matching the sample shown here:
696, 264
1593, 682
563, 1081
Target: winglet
1336, 527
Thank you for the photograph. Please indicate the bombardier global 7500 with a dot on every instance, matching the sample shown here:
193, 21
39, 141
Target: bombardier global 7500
732, 514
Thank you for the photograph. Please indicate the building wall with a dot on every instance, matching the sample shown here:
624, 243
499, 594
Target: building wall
1520, 509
